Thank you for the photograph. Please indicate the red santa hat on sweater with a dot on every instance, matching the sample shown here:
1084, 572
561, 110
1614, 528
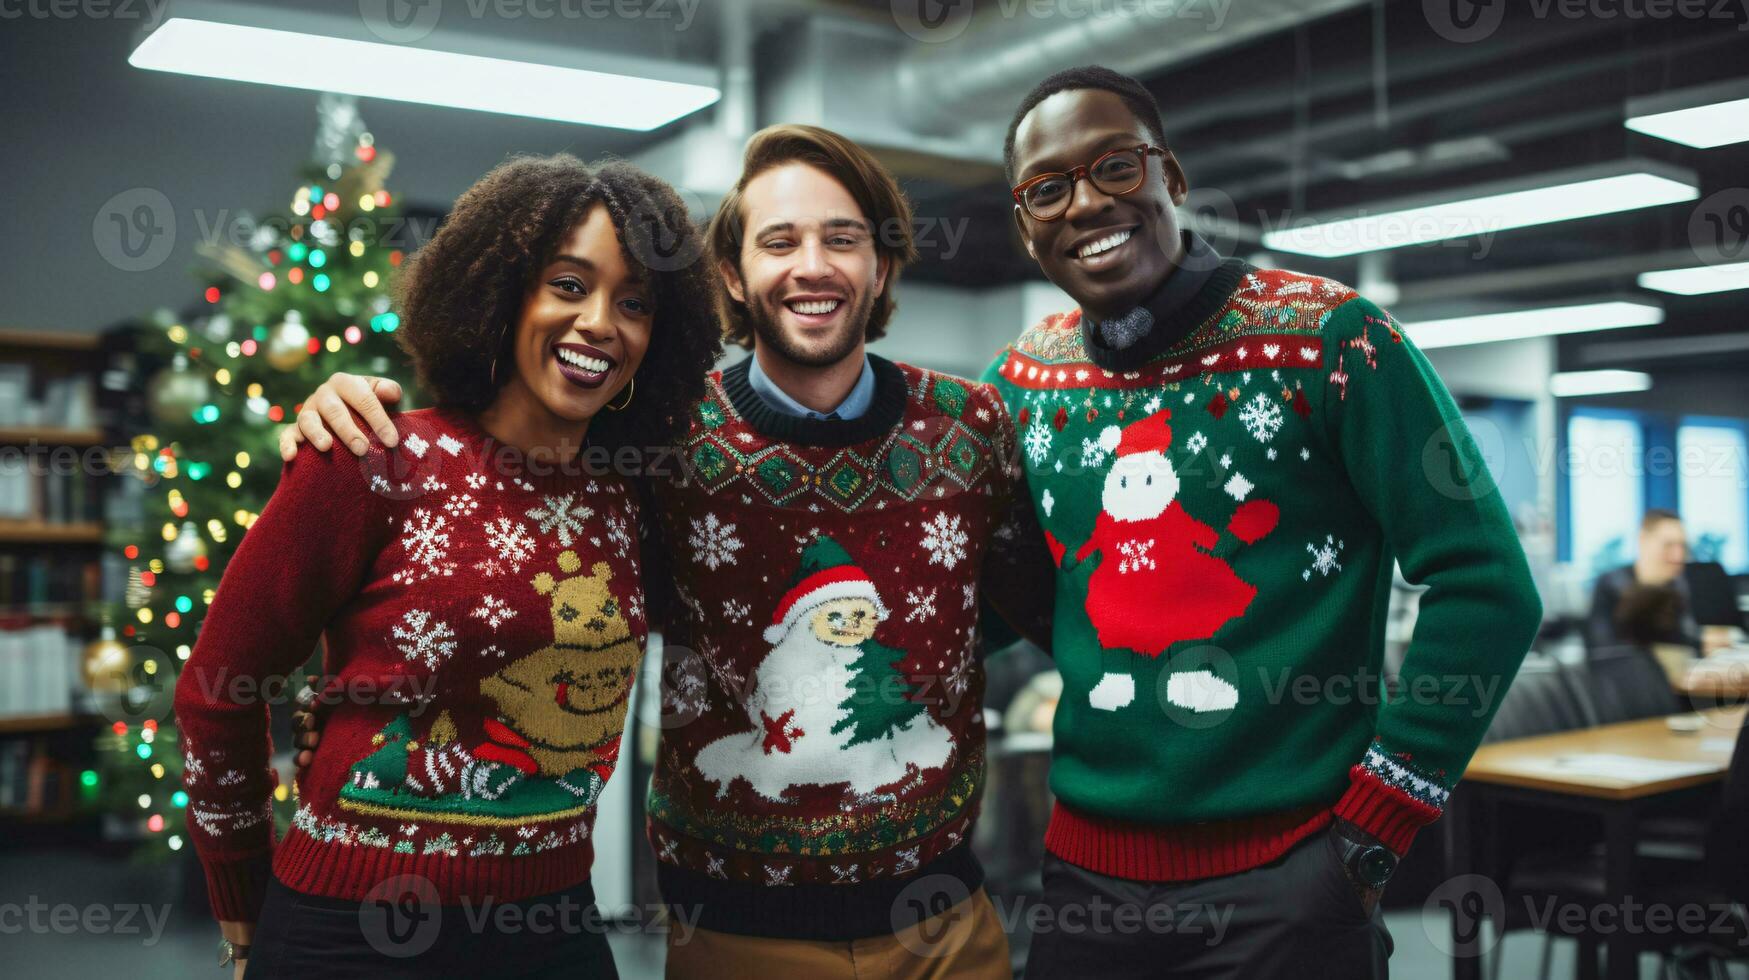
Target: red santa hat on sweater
827, 572
1148, 435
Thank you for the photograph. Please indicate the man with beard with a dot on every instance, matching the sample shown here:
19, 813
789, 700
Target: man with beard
817, 478
1191, 769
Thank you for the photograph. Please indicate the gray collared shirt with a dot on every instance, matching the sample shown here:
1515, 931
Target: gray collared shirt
854, 404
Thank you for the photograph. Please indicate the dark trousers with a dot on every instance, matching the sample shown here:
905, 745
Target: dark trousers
1297, 918
309, 936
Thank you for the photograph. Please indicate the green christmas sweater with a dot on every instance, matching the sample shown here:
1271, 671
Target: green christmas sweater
1225, 513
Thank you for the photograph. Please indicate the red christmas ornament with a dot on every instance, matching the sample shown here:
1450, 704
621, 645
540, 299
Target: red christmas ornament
1217, 405
1060, 419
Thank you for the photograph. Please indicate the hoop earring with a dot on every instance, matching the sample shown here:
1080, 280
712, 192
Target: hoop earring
630, 389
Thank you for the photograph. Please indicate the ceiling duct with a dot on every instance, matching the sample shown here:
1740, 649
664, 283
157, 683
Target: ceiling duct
1005, 50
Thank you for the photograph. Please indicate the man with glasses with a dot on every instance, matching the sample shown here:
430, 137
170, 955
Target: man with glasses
1227, 461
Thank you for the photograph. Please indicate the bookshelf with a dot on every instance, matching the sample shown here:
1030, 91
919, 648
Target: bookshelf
52, 526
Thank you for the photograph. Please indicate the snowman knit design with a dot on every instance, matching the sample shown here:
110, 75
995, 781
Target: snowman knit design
1224, 503
482, 619
822, 692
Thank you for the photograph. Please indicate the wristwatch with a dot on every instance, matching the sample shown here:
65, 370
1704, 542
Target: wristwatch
1369, 863
230, 952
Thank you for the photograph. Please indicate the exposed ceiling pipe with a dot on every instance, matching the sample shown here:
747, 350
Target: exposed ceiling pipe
1237, 147
735, 111
1001, 53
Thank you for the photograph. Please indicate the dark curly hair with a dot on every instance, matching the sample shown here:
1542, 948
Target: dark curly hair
462, 293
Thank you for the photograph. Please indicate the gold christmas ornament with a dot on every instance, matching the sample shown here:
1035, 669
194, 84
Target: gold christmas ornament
288, 343
105, 664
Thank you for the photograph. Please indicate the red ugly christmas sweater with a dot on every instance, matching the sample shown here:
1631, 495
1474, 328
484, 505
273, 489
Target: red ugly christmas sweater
823, 736
483, 618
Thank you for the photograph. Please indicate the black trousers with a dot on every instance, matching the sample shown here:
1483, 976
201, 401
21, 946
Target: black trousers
1297, 918
309, 936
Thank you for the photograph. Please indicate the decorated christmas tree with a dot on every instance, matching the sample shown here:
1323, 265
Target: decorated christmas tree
288, 300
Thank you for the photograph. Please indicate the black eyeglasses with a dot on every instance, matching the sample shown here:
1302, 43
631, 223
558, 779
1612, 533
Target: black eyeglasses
1046, 196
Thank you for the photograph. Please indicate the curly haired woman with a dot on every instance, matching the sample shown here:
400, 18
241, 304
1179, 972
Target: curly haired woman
478, 587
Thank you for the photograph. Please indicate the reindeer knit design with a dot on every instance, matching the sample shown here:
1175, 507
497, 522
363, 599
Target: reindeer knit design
823, 742
483, 620
1224, 509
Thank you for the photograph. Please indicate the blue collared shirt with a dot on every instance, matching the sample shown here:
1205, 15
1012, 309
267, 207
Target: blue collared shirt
854, 405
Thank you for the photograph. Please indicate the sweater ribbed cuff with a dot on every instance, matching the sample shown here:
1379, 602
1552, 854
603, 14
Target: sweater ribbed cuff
1383, 811
235, 887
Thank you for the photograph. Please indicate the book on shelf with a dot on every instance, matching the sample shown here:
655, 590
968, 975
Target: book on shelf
62, 401
38, 668
48, 494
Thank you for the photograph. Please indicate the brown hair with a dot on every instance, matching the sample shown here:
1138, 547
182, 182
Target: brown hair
1656, 516
869, 184
461, 294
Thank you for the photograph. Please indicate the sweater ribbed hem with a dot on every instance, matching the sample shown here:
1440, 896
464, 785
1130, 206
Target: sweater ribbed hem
304, 864
1178, 852
815, 912
235, 889
1384, 811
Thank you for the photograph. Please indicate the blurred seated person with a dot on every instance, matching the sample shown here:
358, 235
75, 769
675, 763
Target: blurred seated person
1650, 617
1655, 579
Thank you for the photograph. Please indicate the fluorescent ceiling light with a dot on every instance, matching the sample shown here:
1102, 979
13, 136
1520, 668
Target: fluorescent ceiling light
1484, 328
1705, 117
1483, 210
1571, 384
255, 45
1698, 280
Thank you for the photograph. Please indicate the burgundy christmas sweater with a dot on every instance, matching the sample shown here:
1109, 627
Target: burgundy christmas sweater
483, 618
822, 741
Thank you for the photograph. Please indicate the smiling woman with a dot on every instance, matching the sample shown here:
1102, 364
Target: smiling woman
539, 244
463, 557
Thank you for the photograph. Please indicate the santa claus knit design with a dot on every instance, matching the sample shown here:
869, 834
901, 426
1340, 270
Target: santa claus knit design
483, 620
827, 739
1225, 514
